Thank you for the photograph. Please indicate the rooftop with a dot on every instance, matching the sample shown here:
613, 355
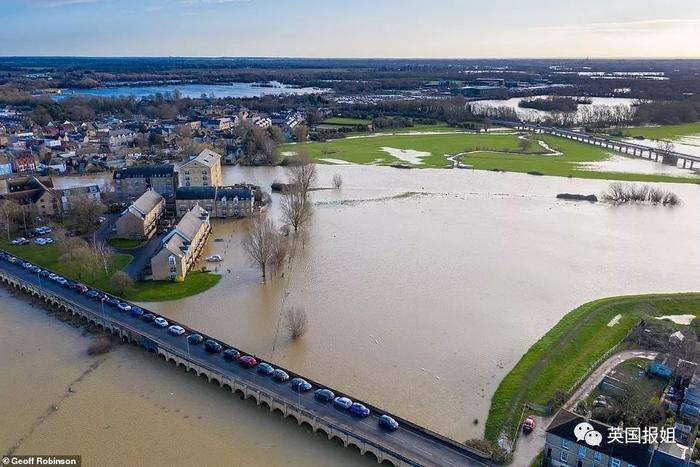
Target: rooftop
143, 171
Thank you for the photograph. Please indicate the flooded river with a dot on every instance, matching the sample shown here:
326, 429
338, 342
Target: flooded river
423, 288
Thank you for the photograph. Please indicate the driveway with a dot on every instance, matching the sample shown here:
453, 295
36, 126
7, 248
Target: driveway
142, 256
529, 446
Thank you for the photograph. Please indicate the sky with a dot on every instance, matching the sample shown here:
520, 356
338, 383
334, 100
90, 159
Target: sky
353, 28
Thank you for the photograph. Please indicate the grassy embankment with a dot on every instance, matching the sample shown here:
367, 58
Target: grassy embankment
47, 256
668, 132
569, 351
368, 150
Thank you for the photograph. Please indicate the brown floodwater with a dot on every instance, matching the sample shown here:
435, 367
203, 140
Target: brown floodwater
423, 288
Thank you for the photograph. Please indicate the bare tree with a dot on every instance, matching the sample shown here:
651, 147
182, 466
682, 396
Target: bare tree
296, 321
296, 210
259, 243
301, 132
85, 211
279, 253
302, 173
121, 282
9, 216
337, 181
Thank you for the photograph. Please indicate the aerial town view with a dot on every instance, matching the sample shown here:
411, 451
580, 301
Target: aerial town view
259, 233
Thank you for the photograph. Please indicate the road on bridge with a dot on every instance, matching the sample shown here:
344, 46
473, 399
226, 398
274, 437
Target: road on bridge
419, 446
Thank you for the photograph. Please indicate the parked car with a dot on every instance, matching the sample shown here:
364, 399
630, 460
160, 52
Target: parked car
195, 339
92, 294
111, 301
161, 322
53, 276
280, 375
36, 269
359, 409
136, 311
62, 281
40, 241
212, 346
48, 240
300, 385
27, 265
265, 369
124, 306
81, 288
342, 402
324, 395
214, 259
149, 317
528, 425
247, 361
19, 241
177, 330
231, 354
388, 423
44, 273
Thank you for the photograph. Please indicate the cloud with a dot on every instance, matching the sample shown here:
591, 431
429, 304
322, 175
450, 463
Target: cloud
59, 3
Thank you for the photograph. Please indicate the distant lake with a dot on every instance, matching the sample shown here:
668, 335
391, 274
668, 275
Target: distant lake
190, 90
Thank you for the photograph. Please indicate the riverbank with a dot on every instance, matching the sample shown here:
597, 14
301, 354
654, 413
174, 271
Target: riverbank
663, 132
572, 349
546, 155
48, 256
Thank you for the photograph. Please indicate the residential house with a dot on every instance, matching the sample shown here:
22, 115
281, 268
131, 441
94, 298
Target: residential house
132, 182
219, 201
23, 161
35, 194
68, 195
181, 247
563, 449
120, 137
140, 220
203, 170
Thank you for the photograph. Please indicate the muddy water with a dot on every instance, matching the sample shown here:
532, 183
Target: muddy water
128, 408
421, 302
423, 288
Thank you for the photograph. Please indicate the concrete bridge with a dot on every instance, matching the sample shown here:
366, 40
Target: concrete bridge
410, 445
631, 149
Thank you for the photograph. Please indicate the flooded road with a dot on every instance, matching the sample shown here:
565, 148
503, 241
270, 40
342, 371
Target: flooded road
423, 288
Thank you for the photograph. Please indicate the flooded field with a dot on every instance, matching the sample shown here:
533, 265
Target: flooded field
536, 115
423, 288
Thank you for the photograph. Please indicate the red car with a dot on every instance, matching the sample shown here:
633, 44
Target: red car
247, 361
528, 425
81, 288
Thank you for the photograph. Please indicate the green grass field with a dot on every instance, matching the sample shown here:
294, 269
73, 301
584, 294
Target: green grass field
47, 256
195, 283
570, 349
669, 132
496, 152
344, 121
125, 244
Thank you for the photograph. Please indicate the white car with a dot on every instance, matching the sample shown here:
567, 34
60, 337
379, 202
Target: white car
40, 241
161, 322
48, 240
53, 276
124, 306
177, 330
215, 259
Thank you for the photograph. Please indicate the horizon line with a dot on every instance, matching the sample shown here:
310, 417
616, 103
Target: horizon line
291, 57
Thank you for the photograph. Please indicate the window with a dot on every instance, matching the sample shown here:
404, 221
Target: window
582, 451
597, 456
566, 444
615, 462
564, 456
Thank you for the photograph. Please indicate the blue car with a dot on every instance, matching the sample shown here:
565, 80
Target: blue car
92, 294
280, 375
388, 423
212, 346
136, 311
231, 354
324, 395
265, 369
359, 410
300, 385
